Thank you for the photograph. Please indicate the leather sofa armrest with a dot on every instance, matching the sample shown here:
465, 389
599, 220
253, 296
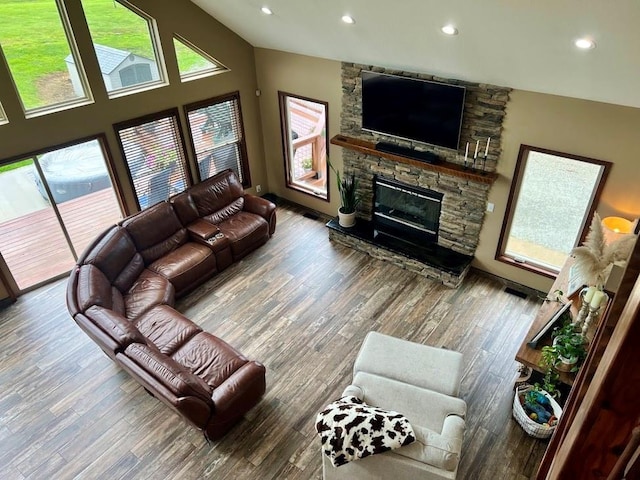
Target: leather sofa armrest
202, 230
95, 333
262, 207
161, 384
249, 378
207, 234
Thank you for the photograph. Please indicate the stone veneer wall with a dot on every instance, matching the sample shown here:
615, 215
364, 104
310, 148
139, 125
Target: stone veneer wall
464, 201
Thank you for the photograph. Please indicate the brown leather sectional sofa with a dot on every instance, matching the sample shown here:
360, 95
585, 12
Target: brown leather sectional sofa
123, 288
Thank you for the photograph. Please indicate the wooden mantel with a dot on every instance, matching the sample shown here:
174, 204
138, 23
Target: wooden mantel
364, 146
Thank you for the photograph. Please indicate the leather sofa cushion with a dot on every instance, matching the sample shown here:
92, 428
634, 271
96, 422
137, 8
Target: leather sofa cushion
116, 256
156, 231
93, 288
210, 358
180, 381
228, 211
186, 265
149, 290
216, 193
166, 328
121, 330
245, 232
184, 207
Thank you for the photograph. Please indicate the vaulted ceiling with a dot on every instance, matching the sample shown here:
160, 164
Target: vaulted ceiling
524, 44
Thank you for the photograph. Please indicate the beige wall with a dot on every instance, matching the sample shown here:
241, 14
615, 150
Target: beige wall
22, 136
580, 127
311, 77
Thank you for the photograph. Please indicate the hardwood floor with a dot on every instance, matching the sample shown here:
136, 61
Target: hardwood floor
300, 305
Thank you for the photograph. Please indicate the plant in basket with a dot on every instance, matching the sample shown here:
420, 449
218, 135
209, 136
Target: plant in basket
538, 407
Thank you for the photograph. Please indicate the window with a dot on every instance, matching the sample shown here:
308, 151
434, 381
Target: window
552, 200
194, 63
126, 46
54, 202
3, 116
304, 134
217, 136
39, 49
153, 150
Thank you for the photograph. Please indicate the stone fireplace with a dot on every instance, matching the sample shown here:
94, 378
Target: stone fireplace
462, 197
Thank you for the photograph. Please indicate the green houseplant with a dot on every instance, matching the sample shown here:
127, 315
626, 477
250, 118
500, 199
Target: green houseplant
349, 198
567, 351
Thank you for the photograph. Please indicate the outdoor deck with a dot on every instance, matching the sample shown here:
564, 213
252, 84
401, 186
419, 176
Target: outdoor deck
34, 246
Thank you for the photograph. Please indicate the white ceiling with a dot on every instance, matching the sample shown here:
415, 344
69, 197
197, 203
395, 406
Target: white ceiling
524, 44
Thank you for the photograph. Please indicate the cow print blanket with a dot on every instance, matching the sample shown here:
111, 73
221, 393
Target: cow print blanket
351, 429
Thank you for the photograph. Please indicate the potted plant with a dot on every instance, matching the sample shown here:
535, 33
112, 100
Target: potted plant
567, 351
349, 198
307, 164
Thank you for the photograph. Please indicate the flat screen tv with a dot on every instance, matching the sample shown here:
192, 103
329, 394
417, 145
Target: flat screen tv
412, 109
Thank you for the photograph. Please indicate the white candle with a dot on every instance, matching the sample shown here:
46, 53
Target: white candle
597, 299
466, 152
486, 150
475, 155
589, 294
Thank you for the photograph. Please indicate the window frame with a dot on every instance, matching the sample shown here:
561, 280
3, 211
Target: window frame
516, 185
242, 142
138, 121
284, 130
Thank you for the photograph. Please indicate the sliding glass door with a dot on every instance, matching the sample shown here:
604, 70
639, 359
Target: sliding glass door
51, 206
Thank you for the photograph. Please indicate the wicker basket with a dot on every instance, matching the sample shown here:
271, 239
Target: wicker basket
533, 428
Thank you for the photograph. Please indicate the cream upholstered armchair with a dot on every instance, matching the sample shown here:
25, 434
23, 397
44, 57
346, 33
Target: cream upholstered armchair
422, 383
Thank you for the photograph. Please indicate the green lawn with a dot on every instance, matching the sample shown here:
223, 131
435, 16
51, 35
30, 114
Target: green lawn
33, 40
13, 166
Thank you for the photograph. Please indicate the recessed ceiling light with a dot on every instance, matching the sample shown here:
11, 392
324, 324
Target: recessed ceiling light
266, 10
449, 30
585, 43
348, 19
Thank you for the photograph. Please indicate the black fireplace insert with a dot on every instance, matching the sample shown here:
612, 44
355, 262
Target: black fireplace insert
406, 212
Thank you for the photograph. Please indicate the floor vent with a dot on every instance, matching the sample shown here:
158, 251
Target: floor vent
310, 215
515, 292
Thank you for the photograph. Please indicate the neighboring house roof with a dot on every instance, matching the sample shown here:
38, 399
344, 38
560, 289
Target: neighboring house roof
108, 58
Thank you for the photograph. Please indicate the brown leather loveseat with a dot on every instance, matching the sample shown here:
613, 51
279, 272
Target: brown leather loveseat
123, 288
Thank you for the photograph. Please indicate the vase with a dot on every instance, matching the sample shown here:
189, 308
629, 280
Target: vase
346, 220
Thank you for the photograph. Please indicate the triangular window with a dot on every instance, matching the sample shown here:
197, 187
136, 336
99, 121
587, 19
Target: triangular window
3, 116
194, 63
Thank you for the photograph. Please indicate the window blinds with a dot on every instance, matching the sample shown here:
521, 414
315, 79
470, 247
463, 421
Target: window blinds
155, 156
217, 137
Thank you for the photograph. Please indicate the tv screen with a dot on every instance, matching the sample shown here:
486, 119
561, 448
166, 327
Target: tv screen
413, 109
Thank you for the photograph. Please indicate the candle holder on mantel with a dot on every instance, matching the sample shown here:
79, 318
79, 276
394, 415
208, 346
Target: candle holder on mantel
594, 301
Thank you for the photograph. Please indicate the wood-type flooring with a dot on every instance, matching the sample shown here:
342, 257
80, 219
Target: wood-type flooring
299, 304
